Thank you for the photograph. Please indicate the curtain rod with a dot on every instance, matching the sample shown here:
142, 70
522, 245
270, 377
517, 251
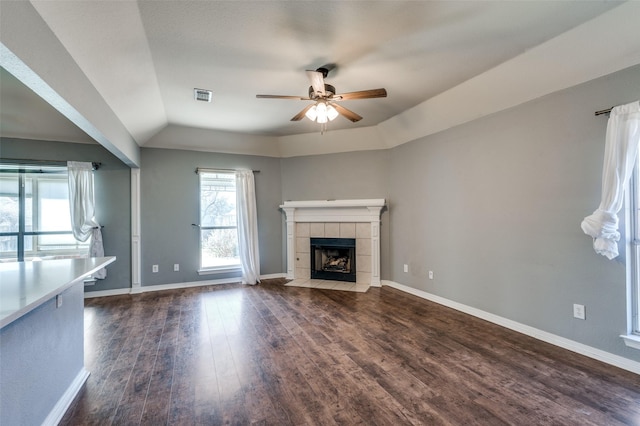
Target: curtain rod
95, 164
215, 169
603, 111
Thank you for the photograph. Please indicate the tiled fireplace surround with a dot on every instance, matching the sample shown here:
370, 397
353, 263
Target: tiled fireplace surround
359, 219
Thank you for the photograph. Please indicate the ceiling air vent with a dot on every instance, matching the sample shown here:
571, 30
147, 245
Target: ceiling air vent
202, 95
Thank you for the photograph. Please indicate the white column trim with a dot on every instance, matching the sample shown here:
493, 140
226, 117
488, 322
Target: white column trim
291, 241
136, 251
375, 253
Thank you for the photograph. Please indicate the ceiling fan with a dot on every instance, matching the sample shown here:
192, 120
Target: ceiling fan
326, 107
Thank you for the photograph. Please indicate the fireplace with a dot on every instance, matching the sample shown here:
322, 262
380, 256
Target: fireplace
333, 259
357, 220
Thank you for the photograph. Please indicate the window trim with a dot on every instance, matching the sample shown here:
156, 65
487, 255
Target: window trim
219, 270
211, 270
22, 170
632, 201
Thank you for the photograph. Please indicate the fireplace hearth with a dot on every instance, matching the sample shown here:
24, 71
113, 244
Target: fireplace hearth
333, 259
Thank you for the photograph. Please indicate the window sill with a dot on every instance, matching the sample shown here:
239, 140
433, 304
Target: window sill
221, 270
631, 340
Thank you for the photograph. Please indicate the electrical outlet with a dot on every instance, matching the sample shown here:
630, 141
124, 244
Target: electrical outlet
406, 267
176, 267
579, 311
154, 268
58, 301
430, 275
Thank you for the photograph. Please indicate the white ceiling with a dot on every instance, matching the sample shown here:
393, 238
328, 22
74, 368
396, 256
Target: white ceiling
146, 57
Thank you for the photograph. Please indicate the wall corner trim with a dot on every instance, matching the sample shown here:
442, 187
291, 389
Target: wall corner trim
571, 345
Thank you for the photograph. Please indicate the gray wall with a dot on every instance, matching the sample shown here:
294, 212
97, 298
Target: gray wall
494, 207
170, 203
41, 354
112, 196
352, 175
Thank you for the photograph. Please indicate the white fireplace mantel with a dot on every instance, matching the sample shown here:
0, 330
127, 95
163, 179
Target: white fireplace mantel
335, 211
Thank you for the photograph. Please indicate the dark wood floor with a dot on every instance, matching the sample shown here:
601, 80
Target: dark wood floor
279, 355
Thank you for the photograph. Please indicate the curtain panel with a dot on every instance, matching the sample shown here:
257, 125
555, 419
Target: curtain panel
247, 227
82, 205
620, 156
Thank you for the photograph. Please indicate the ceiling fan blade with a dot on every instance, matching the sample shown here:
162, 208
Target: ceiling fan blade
363, 94
317, 82
347, 113
301, 114
299, 98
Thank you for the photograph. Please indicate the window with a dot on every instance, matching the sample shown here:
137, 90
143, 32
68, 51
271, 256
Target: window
218, 223
34, 214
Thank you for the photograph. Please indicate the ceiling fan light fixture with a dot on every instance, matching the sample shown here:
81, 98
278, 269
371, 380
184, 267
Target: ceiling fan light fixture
321, 109
311, 114
332, 113
321, 112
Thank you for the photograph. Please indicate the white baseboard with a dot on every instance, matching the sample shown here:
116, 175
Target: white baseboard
105, 293
273, 276
66, 399
591, 352
172, 286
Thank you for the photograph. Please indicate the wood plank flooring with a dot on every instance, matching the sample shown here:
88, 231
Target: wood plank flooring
276, 355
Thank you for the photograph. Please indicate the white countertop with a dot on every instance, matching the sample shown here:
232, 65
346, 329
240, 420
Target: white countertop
26, 285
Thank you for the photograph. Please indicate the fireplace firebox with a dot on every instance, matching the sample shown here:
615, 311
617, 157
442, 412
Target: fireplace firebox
333, 259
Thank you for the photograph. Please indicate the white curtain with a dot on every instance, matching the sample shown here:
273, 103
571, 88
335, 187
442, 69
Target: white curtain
247, 226
620, 154
81, 203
